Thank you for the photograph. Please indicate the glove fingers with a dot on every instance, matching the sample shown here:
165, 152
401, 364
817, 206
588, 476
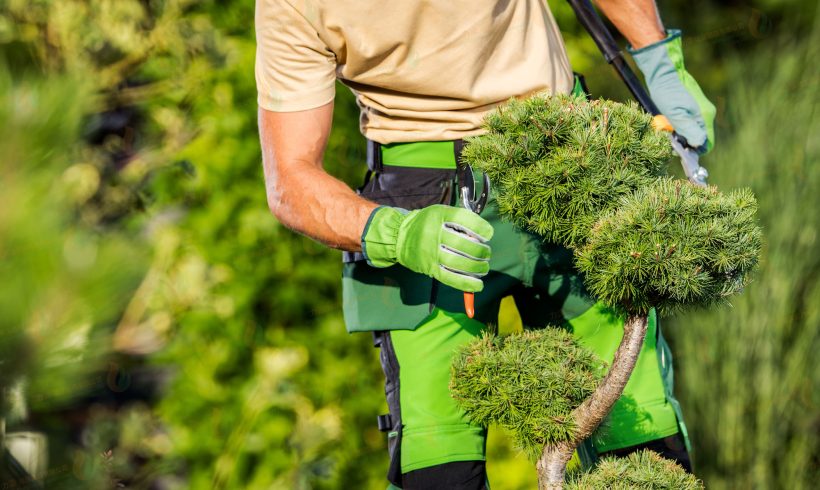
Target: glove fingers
458, 263
467, 222
465, 244
706, 110
446, 243
459, 281
690, 126
681, 108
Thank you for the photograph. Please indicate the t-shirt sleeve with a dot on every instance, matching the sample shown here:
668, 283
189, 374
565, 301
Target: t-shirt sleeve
295, 70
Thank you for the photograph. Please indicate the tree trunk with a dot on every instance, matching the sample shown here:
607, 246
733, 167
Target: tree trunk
553, 462
552, 465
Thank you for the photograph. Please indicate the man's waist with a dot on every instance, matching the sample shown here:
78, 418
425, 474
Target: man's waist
420, 154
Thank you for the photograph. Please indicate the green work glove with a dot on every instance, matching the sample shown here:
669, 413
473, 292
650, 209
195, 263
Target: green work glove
446, 243
675, 92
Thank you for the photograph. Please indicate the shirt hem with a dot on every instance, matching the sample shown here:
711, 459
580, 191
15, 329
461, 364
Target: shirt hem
298, 104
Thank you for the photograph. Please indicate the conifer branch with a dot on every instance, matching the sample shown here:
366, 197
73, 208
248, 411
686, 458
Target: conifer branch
589, 415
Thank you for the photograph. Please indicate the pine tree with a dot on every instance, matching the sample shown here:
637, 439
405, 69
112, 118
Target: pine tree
590, 176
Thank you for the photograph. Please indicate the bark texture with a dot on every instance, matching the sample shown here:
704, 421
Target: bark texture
553, 462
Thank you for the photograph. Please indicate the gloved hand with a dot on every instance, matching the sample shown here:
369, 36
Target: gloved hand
446, 243
675, 92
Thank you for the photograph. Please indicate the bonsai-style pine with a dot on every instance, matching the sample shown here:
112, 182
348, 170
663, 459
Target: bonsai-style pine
589, 175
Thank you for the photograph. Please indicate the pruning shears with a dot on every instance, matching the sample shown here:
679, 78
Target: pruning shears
467, 193
592, 22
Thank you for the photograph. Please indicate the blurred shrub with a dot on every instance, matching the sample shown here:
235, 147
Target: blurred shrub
61, 280
141, 64
748, 376
181, 176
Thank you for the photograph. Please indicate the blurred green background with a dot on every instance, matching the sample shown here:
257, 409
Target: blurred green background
163, 331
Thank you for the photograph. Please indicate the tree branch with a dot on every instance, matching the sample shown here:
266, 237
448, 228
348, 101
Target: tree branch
552, 464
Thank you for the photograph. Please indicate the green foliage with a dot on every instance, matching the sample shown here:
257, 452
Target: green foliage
643, 470
152, 58
749, 377
528, 383
242, 313
586, 174
558, 162
245, 294
64, 284
671, 244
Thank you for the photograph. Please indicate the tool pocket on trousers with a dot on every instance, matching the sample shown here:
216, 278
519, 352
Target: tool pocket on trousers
409, 188
392, 298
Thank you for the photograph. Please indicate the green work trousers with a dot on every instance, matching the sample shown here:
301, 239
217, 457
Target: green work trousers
420, 324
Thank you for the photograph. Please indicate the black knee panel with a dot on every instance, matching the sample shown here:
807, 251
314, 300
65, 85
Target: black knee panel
672, 447
460, 475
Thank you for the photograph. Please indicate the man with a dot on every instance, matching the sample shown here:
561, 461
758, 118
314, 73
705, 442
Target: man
424, 74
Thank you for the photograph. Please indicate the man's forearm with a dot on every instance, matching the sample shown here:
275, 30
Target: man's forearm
317, 205
300, 193
637, 20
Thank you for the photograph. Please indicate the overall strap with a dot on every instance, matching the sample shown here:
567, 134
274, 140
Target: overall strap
374, 156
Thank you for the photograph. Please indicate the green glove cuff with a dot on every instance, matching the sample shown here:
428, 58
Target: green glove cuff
381, 234
672, 35
675, 92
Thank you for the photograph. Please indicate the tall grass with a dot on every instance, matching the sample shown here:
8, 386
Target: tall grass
748, 376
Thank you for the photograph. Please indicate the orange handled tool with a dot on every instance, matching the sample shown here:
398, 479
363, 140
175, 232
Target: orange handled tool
466, 185
469, 304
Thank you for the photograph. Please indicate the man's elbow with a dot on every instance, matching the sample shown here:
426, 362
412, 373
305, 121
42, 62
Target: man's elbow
281, 205
277, 205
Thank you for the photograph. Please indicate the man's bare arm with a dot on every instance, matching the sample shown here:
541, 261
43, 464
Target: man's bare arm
300, 193
637, 20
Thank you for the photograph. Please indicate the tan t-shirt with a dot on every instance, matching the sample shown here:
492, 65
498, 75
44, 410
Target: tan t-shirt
422, 70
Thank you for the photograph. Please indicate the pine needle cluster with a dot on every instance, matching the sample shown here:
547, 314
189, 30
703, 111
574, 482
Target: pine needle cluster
670, 244
644, 470
588, 175
528, 383
557, 161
